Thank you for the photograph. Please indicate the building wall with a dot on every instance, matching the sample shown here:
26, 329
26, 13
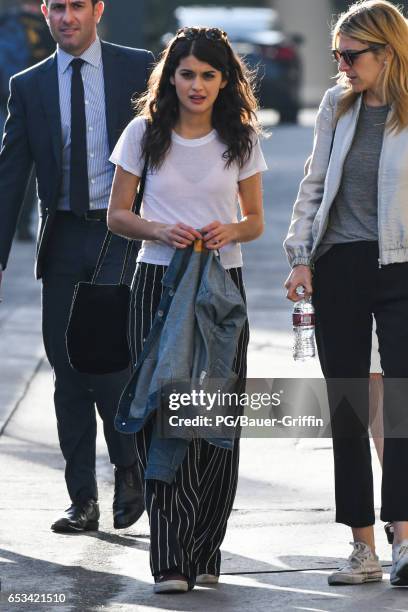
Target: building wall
312, 19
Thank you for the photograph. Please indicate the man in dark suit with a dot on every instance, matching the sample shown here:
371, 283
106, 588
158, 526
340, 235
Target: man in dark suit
65, 116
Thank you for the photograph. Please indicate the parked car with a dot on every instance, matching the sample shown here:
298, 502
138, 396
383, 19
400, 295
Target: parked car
256, 34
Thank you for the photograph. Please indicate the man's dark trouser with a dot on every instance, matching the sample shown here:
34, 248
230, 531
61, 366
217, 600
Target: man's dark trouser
349, 287
71, 257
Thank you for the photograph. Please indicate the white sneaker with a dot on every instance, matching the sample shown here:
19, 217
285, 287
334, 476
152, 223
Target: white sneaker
399, 570
207, 579
362, 566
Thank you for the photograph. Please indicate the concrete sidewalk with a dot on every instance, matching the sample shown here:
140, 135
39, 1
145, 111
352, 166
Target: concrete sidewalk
281, 542
21, 349
279, 548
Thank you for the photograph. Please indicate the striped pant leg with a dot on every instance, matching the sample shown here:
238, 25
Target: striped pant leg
188, 518
171, 508
146, 293
218, 485
219, 475
177, 511
173, 511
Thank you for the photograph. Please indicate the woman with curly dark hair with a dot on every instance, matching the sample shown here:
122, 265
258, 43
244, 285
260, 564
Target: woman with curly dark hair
198, 130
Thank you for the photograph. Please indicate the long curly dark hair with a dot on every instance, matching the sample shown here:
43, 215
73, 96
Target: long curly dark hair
233, 115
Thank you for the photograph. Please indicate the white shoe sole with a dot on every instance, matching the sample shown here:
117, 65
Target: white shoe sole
207, 579
338, 579
171, 586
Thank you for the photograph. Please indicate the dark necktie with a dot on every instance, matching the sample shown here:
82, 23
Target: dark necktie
79, 186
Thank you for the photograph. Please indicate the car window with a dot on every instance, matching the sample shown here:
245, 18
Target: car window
236, 21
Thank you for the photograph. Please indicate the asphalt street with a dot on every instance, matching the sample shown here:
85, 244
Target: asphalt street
282, 541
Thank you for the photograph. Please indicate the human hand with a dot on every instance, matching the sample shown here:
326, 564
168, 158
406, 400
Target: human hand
217, 234
179, 235
300, 276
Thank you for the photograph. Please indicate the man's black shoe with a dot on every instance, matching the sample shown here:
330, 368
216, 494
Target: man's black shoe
128, 501
79, 517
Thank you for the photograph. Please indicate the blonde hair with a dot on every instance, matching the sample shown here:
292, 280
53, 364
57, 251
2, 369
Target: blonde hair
379, 22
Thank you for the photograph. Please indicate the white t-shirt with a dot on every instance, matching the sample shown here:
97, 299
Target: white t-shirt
193, 186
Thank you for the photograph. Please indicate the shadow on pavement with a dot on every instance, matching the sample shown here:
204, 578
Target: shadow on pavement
276, 588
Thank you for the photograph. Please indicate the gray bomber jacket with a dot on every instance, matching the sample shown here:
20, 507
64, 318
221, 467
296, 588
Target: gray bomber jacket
323, 173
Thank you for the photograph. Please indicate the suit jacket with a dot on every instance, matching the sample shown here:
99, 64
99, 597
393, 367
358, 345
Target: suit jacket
32, 135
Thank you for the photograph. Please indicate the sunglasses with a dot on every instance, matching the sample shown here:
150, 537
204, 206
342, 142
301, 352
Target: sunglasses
214, 34
351, 56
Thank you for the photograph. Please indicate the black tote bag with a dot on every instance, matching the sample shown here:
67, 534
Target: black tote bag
96, 336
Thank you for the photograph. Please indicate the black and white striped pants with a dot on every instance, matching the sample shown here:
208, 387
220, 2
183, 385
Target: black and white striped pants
188, 518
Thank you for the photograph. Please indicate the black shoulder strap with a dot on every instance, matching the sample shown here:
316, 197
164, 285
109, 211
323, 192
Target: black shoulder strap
136, 209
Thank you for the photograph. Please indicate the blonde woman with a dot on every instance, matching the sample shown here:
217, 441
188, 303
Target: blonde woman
350, 222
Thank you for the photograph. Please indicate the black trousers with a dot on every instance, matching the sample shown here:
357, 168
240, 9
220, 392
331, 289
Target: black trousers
71, 257
188, 518
349, 287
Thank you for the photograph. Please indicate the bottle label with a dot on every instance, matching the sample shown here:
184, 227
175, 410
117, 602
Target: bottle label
303, 320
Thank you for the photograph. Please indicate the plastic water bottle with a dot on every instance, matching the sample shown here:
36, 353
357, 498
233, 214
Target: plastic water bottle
303, 329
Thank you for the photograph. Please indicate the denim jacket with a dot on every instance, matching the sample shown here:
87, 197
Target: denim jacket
323, 173
193, 337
